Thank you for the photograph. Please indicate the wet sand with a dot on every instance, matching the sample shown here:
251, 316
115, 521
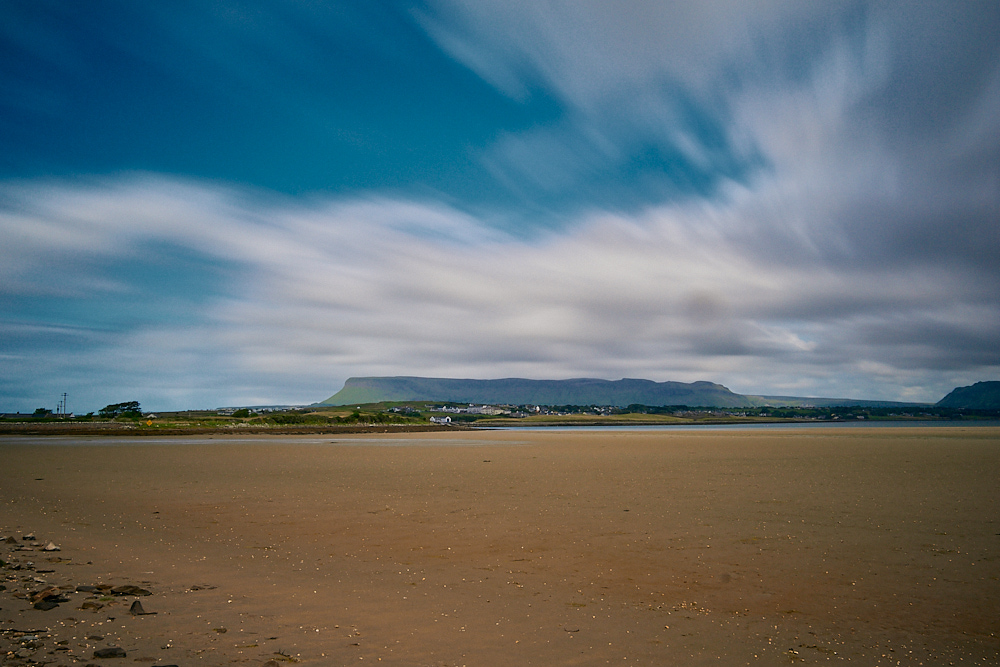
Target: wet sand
869, 546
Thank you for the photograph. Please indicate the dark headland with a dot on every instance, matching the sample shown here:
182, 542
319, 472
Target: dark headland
980, 396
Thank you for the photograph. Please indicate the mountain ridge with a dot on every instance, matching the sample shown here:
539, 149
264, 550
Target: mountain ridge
978, 396
520, 391
574, 391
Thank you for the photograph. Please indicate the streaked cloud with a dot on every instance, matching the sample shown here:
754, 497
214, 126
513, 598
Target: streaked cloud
785, 198
322, 291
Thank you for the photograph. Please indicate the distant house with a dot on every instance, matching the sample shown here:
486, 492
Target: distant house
486, 410
440, 420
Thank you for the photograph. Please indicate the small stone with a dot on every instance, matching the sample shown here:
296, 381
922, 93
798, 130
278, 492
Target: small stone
11, 540
129, 590
87, 589
51, 547
221, 631
45, 605
28, 537
91, 605
137, 610
50, 592
110, 652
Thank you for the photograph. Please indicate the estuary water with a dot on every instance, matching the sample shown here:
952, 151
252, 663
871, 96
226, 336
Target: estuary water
860, 423
451, 439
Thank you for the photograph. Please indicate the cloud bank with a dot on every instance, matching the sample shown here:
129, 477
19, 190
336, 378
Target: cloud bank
289, 299
782, 198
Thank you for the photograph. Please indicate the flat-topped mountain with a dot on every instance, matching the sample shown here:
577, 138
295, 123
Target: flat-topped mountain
979, 396
622, 393
517, 391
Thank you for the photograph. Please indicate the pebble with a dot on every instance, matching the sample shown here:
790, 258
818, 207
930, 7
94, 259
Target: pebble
110, 652
137, 610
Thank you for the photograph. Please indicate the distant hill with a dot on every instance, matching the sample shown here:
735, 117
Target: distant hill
585, 391
816, 402
980, 396
516, 391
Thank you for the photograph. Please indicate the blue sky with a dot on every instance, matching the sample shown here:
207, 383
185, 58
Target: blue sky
233, 203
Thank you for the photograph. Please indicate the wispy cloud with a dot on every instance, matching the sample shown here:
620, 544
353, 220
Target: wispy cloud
783, 197
321, 291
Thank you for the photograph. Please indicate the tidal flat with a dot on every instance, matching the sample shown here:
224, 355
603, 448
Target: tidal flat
867, 546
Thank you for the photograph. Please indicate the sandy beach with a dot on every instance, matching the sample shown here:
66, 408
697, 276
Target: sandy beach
874, 546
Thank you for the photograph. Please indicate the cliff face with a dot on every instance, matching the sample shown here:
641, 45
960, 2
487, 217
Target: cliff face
979, 396
516, 391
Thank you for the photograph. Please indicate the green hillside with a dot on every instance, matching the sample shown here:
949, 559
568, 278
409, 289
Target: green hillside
517, 391
980, 396
817, 402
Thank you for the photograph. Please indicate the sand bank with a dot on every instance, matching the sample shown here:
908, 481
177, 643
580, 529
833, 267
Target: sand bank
874, 546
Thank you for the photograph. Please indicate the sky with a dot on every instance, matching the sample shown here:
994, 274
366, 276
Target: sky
246, 203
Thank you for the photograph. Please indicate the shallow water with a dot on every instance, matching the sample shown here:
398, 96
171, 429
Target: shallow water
375, 441
860, 423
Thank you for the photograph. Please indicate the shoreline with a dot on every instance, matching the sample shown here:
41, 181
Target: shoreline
129, 430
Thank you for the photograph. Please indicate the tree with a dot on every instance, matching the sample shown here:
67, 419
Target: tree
129, 409
42, 412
